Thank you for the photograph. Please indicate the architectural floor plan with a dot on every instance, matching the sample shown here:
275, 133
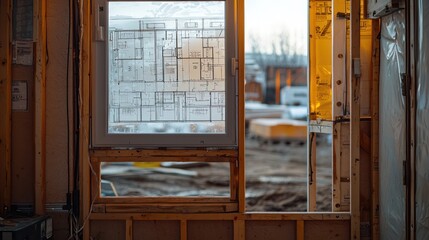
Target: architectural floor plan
168, 70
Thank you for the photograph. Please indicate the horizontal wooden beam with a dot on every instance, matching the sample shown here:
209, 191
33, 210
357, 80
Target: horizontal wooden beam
224, 216
172, 208
148, 200
162, 159
164, 153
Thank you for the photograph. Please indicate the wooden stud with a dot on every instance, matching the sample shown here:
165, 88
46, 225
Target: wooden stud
239, 9
355, 117
239, 230
311, 137
233, 180
5, 106
336, 168
300, 230
183, 230
40, 108
84, 131
129, 229
375, 214
339, 92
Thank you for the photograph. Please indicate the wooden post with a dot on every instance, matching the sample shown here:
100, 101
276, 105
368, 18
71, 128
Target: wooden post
40, 107
5, 106
375, 214
241, 121
85, 79
355, 117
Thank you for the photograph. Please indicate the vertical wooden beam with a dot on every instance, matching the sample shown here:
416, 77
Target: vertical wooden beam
183, 229
5, 105
300, 230
311, 146
355, 117
339, 93
375, 214
278, 84
233, 179
241, 121
40, 107
85, 79
239, 230
336, 168
129, 229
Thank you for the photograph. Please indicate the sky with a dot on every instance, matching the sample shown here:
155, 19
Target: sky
266, 19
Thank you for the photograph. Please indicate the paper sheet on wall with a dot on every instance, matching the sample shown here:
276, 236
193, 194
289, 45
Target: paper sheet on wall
23, 52
19, 96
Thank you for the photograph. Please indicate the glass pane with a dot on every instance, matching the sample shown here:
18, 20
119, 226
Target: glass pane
164, 179
166, 67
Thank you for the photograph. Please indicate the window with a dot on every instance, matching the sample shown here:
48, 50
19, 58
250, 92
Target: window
163, 76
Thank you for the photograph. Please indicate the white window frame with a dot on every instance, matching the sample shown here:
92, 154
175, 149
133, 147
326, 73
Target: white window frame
99, 119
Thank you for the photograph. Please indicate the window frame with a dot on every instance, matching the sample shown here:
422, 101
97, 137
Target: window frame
99, 119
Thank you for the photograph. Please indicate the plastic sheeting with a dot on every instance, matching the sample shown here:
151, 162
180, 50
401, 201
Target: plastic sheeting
392, 127
422, 124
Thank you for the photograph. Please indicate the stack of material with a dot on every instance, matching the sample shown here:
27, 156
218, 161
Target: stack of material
279, 129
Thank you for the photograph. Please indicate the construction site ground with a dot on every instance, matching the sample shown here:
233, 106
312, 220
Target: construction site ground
276, 177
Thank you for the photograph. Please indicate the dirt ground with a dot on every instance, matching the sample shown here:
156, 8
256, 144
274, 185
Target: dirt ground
275, 178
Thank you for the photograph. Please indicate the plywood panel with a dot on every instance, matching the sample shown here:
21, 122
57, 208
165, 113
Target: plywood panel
273, 230
107, 230
56, 121
210, 230
59, 224
23, 142
156, 230
334, 230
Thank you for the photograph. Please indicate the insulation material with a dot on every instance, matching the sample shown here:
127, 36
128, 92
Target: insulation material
392, 127
320, 60
422, 124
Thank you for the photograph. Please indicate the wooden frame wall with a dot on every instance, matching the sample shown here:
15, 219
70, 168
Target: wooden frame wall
5, 105
127, 217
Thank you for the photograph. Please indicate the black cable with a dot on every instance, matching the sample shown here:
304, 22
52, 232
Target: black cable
68, 205
310, 157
